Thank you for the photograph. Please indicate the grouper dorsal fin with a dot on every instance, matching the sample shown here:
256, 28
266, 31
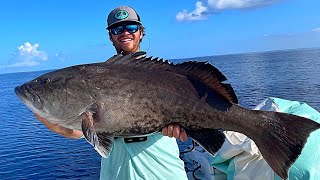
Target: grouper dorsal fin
139, 59
200, 71
209, 75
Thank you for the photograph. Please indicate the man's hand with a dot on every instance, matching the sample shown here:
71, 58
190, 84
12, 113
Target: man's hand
175, 130
69, 133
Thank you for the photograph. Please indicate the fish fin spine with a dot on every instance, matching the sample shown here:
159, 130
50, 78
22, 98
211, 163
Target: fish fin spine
101, 142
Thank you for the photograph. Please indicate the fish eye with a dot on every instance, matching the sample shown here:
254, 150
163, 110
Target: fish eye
45, 81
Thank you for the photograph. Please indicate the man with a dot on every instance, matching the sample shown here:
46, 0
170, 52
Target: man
149, 157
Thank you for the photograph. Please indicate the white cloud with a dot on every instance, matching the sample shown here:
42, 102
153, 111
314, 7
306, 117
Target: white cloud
294, 34
316, 29
238, 4
24, 64
28, 55
204, 8
61, 56
197, 14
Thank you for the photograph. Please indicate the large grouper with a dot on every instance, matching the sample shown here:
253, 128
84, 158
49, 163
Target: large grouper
132, 95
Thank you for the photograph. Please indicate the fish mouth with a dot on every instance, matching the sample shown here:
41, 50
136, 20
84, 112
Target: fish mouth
20, 93
28, 97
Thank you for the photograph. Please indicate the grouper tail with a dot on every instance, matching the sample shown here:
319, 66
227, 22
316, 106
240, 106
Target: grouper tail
282, 138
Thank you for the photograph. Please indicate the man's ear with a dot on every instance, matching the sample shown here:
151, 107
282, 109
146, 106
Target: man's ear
141, 36
110, 38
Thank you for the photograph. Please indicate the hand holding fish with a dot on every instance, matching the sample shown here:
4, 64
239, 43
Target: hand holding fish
175, 130
66, 132
171, 130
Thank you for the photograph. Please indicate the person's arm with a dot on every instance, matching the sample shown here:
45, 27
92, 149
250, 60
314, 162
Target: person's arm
175, 130
171, 130
69, 133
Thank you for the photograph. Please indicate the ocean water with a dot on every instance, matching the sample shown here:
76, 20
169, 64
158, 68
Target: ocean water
29, 151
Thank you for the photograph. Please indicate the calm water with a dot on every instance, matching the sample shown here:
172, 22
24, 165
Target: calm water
29, 151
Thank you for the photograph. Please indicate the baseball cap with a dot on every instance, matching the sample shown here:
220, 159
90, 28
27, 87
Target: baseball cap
122, 13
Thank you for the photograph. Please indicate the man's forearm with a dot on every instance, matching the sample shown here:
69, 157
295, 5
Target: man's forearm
69, 133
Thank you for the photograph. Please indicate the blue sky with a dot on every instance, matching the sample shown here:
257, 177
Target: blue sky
38, 35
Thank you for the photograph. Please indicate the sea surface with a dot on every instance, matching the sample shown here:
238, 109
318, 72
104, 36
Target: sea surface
30, 151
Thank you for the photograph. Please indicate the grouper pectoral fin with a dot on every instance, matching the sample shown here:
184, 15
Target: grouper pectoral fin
101, 142
210, 139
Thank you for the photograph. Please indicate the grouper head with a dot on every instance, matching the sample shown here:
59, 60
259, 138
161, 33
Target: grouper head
51, 96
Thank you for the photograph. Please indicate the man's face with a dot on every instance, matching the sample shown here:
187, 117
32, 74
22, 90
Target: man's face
126, 37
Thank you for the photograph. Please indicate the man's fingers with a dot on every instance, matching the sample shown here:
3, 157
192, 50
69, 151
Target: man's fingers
183, 135
176, 131
165, 130
170, 130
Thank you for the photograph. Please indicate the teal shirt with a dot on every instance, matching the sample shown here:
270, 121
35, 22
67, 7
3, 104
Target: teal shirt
155, 158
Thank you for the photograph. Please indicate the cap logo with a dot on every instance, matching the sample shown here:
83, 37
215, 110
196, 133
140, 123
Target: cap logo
121, 14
